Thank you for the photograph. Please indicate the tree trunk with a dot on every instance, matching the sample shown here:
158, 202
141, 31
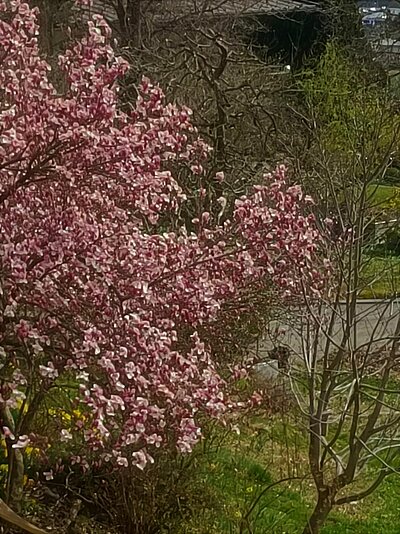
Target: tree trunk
16, 471
16, 480
321, 511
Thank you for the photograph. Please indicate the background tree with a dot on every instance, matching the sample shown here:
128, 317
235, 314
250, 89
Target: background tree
349, 349
104, 290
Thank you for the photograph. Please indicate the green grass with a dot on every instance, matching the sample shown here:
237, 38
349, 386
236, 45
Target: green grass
380, 196
381, 277
234, 480
237, 474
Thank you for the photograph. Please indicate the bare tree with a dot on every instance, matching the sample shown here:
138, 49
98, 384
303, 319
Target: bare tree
348, 349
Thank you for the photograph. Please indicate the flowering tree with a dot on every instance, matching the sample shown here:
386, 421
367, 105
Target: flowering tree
98, 296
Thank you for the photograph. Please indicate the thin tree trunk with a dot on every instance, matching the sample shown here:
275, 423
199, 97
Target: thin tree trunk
321, 511
16, 471
16, 486
134, 14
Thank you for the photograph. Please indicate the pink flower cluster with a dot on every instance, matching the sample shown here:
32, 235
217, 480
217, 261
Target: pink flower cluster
95, 288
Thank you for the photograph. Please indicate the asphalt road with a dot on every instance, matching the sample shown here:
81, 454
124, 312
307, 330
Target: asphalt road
376, 322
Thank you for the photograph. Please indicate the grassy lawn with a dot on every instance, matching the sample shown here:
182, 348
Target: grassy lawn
236, 478
381, 277
382, 195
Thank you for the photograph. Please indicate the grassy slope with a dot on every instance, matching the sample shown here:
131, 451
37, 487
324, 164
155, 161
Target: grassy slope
235, 475
382, 195
381, 277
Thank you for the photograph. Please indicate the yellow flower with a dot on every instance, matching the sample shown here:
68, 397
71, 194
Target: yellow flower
4, 446
79, 415
62, 414
30, 451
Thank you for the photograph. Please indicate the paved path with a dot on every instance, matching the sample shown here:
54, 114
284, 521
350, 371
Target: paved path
376, 323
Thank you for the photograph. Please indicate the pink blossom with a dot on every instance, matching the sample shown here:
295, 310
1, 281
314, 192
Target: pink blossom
92, 288
22, 442
65, 435
140, 459
7, 433
122, 461
48, 371
48, 475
